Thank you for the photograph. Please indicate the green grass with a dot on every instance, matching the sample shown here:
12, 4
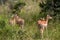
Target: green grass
30, 32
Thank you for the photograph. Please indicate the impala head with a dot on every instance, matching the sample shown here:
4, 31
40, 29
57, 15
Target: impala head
16, 17
42, 18
49, 17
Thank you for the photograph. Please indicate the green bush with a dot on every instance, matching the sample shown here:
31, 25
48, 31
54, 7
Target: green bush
2, 24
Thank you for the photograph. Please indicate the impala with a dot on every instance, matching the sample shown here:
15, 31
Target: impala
17, 20
42, 24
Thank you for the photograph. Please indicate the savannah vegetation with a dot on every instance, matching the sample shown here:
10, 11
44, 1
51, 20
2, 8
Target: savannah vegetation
31, 11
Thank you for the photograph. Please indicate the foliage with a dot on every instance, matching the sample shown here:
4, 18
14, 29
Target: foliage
30, 11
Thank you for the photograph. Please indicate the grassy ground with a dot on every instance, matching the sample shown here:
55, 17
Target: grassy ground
30, 31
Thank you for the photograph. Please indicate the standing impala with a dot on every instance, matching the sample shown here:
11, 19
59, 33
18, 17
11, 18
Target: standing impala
17, 20
42, 24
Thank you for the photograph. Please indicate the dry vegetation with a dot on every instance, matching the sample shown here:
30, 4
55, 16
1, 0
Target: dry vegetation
30, 11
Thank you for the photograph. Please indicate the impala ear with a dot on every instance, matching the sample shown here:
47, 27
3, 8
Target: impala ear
42, 18
48, 15
12, 16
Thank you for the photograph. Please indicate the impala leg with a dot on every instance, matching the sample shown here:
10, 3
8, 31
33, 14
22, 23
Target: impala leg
41, 31
47, 33
22, 26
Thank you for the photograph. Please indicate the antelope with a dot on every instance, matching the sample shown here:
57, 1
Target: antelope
19, 21
42, 24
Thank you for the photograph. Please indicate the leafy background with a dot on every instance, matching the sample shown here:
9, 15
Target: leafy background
30, 11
